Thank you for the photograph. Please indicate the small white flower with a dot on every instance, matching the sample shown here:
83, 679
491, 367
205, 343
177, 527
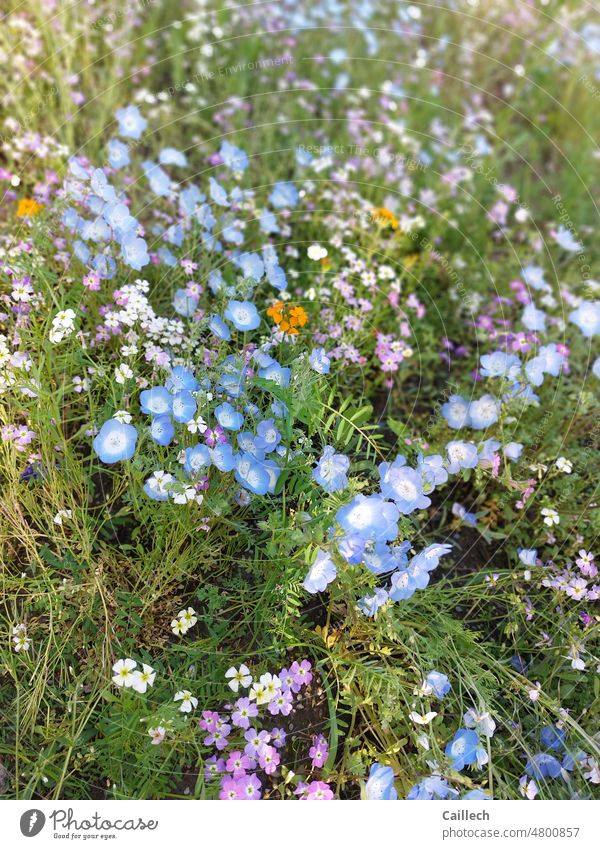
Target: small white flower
123, 670
187, 495
419, 719
157, 734
123, 416
188, 616
272, 686
179, 627
61, 515
483, 722
239, 677
534, 693
188, 702
143, 679
564, 465
22, 643
197, 425
551, 517
316, 252
80, 384
123, 373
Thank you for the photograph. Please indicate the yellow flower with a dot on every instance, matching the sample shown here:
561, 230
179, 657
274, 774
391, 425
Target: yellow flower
385, 217
28, 207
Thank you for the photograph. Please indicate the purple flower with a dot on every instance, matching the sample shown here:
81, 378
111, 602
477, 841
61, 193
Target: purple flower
244, 711
319, 751
238, 763
301, 672
268, 758
282, 704
255, 741
213, 766
278, 736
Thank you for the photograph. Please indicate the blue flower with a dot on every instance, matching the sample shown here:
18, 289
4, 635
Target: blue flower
233, 157
181, 378
159, 180
461, 455
275, 274
118, 154
352, 547
456, 411
500, 364
252, 474
429, 558
543, 765
247, 443
162, 430
219, 328
120, 219
184, 406
155, 401
243, 315
527, 556
370, 516
223, 457
370, 604
171, 156
462, 513
228, 417
551, 358
251, 265
379, 559
513, 450
319, 361
131, 123
284, 195
403, 586
196, 459
184, 304
115, 441
533, 276
432, 470
566, 240
596, 368
484, 412
476, 795
217, 192
321, 573
331, 470
438, 684
276, 373
268, 437
534, 319
404, 485
380, 784
462, 749
487, 449
134, 251
552, 737
268, 222
587, 317
430, 788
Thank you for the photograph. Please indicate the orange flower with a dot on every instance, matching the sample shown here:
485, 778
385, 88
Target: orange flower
28, 207
288, 317
385, 217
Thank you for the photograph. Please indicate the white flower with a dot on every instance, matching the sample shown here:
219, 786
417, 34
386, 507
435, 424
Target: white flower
157, 734
418, 719
179, 627
144, 679
188, 702
19, 630
551, 517
123, 373
62, 514
187, 495
316, 252
123, 670
483, 722
272, 686
528, 788
534, 693
80, 384
258, 692
197, 425
239, 677
564, 465
188, 616
22, 643
123, 416
594, 771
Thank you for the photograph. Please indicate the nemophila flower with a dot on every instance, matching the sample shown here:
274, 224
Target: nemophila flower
252, 474
157, 734
527, 556
482, 722
436, 683
228, 417
587, 318
223, 458
123, 670
243, 315
316, 791
380, 784
134, 251
319, 361
142, 679
484, 412
463, 514
462, 749
197, 459
432, 471
188, 702
184, 304
219, 328
403, 586
370, 604
371, 517
181, 379
430, 788
118, 154
500, 364
596, 368
542, 766
131, 122
162, 430
267, 436
319, 751
233, 157
156, 401
183, 406
284, 195
279, 375
403, 485
321, 573
331, 469
551, 517
513, 450
461, 455
239, 677
565, 239
456, 412
115, 441
553, 737
533, 318
158, 486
